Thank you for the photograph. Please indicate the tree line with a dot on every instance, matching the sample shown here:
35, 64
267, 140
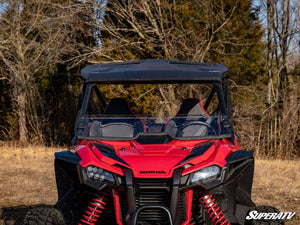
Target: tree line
45, 43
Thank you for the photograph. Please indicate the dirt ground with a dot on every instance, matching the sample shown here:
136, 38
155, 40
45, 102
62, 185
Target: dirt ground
27, 181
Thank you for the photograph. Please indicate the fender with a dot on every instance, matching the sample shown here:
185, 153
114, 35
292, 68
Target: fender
236, 189
65, 165
67, 156
239, 156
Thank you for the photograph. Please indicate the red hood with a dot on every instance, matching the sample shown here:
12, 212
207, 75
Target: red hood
155, 160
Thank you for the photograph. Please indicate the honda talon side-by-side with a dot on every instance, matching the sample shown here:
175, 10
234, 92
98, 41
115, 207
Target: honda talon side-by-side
153, 145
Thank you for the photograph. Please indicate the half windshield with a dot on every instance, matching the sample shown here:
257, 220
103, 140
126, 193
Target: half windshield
126, 112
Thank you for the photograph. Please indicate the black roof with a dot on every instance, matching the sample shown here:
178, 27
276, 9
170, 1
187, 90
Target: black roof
154, 71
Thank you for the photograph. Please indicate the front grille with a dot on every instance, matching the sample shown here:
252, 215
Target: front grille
153, 192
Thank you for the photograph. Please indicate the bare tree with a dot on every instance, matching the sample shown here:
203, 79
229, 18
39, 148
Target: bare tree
282, 28
34, 35
161, 28
171, 30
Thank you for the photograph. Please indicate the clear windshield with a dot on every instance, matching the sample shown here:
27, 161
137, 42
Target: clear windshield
118, 111
176, 127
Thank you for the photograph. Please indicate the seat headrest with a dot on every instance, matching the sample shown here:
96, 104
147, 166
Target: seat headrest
118, 106
191, 107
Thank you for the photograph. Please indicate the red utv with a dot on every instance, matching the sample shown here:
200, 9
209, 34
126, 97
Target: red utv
180, 169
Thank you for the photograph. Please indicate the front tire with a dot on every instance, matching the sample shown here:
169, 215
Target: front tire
44, 216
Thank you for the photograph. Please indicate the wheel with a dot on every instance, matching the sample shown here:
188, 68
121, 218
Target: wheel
44, 216
264, 209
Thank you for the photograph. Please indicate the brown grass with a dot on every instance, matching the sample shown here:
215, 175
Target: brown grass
27, 180
277, 183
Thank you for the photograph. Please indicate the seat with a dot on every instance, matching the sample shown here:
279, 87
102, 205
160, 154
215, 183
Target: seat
191, 107
191, 120
118, 120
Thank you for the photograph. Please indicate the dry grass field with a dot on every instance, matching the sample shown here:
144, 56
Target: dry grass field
27, 180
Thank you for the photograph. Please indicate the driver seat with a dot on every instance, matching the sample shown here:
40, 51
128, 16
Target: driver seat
118, 120
191, 120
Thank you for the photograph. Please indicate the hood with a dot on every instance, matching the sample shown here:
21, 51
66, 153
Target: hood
155, 160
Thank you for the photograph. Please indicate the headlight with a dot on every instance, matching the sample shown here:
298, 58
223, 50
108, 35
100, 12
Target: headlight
206, 173
96, 173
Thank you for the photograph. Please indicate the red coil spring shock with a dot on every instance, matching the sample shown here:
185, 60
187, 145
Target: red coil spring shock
94, 210
212, 209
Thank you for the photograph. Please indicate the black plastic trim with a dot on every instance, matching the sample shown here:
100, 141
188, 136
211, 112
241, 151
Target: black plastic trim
130, 190
109, 152
175, 197
141, 208
239, 156
236, 169
64, 197
67, 156
197, 151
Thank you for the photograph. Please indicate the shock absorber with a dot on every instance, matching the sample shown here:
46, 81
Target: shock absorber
212, 209
94, 210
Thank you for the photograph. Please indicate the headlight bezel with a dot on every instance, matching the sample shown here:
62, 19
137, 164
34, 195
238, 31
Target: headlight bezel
206, 174
97, 183
95, 173
186, 180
